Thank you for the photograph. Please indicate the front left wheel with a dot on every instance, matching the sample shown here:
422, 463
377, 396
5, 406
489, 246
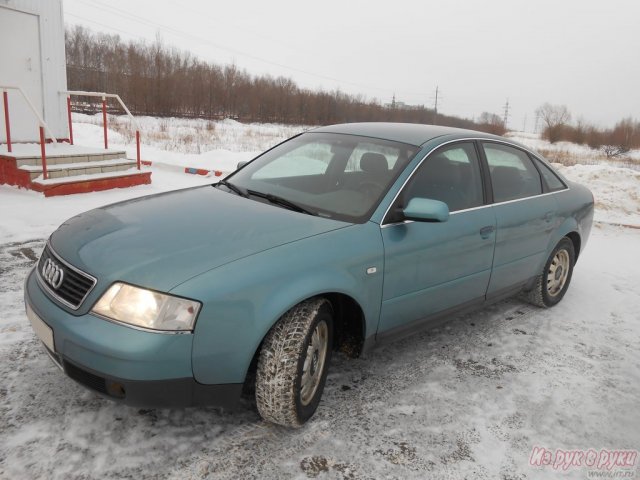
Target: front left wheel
293, 363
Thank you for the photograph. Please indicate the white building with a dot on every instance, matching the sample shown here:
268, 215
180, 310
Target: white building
32, 57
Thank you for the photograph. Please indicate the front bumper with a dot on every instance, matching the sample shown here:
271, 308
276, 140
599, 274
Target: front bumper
134, 367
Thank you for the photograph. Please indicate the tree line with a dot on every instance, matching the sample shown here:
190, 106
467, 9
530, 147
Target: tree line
613, 142
154, 79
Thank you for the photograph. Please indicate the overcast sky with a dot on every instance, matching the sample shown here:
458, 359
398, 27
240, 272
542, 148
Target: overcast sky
584, 54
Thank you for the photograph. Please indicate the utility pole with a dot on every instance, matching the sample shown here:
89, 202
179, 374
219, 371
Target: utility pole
435, 109
506, 114
524, 124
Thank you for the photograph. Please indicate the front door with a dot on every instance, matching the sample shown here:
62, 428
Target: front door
432, 267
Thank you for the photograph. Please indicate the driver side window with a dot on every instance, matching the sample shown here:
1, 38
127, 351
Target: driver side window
451, 175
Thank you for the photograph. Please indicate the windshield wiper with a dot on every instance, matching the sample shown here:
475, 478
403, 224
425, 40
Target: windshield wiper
233, 188
283, 202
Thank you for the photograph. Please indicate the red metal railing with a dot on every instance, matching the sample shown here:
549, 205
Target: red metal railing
43, 153
41, 124
5, 99
104, 97
69, 118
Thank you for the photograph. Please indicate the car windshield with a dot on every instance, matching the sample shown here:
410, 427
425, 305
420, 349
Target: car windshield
331, 175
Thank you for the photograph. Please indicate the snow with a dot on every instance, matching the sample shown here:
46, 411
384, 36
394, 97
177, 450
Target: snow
195, 143
76, 165
79, 178
60, 149
469, 400
616, 191
533, 141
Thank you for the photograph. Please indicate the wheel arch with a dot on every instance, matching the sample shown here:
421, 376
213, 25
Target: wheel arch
576, 240
349, 327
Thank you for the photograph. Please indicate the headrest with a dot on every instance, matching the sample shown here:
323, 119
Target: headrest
371, 162
507, 175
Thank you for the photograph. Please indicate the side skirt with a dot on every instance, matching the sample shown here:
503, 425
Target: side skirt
441, 317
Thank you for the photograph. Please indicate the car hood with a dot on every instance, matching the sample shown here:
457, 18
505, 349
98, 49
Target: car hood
162, 240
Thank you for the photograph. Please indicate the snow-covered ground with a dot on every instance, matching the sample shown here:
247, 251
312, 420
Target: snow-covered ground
469, 400
566, 149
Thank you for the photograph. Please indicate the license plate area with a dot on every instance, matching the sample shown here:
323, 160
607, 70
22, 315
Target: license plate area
43, 331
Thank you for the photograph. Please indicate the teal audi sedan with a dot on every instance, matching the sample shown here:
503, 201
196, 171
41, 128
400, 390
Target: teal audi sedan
339, 238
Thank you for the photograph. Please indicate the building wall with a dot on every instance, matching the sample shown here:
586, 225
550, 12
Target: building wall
52, 63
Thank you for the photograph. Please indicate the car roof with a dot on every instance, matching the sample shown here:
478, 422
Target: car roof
412, 133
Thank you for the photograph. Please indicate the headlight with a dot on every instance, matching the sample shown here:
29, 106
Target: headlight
147, 309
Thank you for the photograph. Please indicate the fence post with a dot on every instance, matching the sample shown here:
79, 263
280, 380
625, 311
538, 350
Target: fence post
104, 121
69, 116
42, 152
5, 98
138, 148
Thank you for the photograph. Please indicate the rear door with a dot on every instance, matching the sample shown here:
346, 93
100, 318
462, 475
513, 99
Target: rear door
525, 217
433, 267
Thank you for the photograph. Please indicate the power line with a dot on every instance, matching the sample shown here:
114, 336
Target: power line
186, 35
103, 25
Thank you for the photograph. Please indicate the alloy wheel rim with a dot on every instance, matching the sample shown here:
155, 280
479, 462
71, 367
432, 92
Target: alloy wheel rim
315, 357
558, 273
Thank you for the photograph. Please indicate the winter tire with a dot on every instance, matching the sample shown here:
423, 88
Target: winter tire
293, 363
553, 282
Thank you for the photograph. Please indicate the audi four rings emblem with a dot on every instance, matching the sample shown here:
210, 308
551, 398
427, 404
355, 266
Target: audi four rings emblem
52, 273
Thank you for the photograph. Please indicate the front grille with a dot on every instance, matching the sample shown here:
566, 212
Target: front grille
85, 378
75, 284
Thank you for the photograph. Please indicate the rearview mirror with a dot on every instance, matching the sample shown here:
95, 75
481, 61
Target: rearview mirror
241, 164
426, 210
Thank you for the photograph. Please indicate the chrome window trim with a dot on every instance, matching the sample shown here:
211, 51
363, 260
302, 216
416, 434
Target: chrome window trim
51, 292
466, 139
481, 206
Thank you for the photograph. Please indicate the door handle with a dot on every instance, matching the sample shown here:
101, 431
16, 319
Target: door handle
485, 232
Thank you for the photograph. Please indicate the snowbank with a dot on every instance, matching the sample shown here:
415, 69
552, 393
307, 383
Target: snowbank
616, 191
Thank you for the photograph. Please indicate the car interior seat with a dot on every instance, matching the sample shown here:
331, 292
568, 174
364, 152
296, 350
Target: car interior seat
375, 168
440, 181
507, 183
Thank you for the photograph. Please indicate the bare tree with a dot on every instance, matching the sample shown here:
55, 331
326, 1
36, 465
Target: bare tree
492, 123
555, 118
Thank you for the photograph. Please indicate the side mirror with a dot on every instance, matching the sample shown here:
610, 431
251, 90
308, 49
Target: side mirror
241, 164
426, 210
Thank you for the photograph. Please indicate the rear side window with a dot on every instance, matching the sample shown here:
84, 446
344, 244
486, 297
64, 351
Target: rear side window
513, 175
550, 178
451, 175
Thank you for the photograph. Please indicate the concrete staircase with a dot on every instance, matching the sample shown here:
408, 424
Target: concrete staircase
70, 169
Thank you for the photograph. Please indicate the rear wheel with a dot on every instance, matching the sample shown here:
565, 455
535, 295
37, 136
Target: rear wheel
293, 363
553, 282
